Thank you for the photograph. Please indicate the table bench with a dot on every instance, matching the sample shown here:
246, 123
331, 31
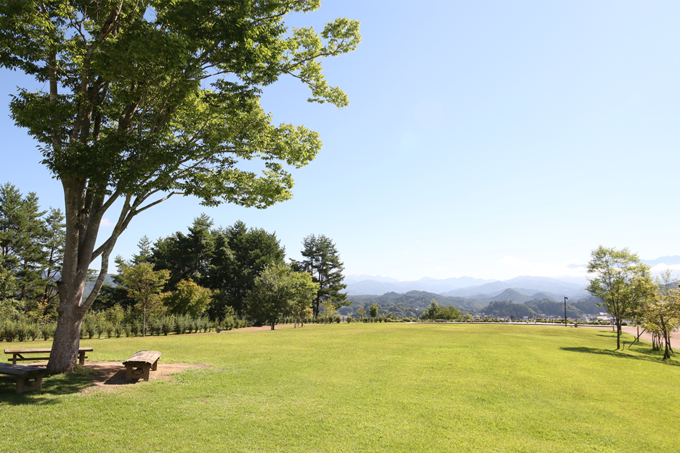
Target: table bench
18, 354
27, 377
140, 364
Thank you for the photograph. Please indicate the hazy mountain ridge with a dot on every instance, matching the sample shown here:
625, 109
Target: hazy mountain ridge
477, 288
508, 303
528, 286
382, 286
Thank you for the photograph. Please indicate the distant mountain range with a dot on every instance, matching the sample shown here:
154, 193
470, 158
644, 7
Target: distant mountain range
508, 303
381, 285
486, 290
472, 288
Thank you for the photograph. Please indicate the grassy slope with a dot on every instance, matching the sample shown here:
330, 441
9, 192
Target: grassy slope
365, 387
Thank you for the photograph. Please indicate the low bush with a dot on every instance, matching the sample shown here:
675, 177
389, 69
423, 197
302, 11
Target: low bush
47, 331
32, 331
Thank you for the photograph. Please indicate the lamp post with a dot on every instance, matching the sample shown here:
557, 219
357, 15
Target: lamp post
565, 311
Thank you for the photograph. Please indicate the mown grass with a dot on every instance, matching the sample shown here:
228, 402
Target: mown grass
364, 387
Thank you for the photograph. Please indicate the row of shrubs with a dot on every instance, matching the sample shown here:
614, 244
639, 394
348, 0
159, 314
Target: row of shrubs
22, 331
93, 327
96, 327
378, 319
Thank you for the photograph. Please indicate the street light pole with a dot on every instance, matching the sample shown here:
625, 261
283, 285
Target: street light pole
565, 311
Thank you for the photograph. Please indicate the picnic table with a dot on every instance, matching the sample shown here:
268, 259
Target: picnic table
26, 377
18, 354
140, 363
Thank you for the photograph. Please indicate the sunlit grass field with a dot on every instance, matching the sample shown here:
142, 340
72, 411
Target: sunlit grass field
364, 387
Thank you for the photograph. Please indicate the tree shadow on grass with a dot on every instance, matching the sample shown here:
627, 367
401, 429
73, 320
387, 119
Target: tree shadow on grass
55, 385
649, 356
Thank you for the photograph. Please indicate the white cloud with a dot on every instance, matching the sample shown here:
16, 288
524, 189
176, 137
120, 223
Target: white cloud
106, 223
542, 269
659, 268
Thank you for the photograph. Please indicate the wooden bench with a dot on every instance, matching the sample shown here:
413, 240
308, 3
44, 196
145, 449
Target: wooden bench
139, 365
27, 377
18, 354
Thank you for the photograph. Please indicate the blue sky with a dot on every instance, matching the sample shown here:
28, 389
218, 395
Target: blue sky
489, 139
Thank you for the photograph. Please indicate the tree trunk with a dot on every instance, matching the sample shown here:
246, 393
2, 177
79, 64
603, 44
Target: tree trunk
144, 324
618, 334
272, 326
66, 342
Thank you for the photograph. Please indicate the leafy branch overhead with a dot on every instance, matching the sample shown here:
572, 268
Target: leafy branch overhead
126, 107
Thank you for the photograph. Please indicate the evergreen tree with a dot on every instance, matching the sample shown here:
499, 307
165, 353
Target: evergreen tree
226, 261
322, 261
241, 255
186, 256
31, 251
144, 255
53, 245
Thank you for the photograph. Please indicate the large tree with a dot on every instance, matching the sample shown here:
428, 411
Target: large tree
225, 260
186, 256
279, 291
241, 254
322, 261
621, 281
147, 99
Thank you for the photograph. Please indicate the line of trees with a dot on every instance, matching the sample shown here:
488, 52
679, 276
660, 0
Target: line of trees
225, 274
228, 272
626, 288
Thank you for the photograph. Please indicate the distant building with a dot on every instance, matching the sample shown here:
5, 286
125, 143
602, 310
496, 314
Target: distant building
604, 317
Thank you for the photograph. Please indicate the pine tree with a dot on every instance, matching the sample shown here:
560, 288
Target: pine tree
242, 255
322, 261
31, 250
186, 256
53, 244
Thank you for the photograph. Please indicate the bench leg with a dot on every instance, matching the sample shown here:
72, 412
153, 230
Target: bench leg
25, 384
154, 367
128, 373
145, 369
81, 358
20, 385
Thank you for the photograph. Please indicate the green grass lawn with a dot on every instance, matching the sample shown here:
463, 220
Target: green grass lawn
364, 387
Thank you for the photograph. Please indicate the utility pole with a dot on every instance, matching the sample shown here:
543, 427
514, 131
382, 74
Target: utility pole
565, 311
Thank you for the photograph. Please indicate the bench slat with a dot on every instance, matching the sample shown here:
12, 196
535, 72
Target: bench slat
40, 350
149, 357
20, 370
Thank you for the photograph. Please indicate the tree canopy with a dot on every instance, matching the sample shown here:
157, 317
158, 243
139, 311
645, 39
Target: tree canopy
279, 291
144, 285
621, 281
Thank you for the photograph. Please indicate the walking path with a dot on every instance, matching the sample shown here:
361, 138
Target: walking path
675, 336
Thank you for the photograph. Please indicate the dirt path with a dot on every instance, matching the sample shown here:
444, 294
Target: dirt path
111, 375
675, 337
256, 329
